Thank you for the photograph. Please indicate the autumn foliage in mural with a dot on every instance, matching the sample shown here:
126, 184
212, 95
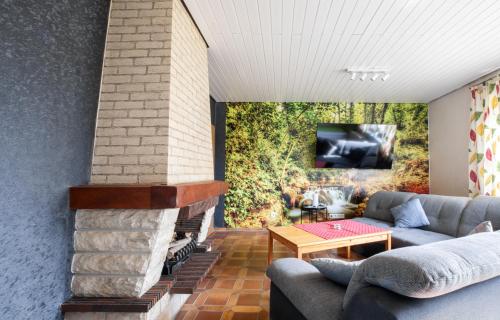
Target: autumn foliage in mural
270, 151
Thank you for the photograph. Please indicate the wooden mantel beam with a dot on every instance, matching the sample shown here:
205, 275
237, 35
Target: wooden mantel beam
142, 196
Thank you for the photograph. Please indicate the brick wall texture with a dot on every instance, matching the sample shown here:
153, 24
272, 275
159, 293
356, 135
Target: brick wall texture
190, 137
153, 122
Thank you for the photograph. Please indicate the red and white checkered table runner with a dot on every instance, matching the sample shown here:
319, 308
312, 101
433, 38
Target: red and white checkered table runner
349, 228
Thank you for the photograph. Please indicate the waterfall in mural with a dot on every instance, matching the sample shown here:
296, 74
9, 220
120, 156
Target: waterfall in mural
271, 160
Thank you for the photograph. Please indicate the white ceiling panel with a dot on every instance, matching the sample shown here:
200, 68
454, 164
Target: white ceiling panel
298, 50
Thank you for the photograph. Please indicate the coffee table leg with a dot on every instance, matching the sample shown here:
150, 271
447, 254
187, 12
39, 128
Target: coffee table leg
388, 243
299, 254
348, 252
270, 249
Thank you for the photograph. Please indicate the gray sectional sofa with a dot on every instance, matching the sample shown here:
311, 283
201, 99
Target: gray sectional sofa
456, 279
449, 217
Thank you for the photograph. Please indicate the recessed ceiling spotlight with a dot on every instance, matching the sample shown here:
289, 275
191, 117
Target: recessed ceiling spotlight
375, 76
353, 75
363, 76
385, 77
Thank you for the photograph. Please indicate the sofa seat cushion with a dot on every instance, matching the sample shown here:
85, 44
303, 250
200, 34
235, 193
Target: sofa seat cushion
375, 222
405, 237
431, 270
369, 249
316, 297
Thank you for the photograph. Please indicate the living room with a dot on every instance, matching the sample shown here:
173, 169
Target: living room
274, 159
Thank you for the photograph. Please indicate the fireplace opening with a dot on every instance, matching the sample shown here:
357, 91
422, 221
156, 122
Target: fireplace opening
189, 232
180, 249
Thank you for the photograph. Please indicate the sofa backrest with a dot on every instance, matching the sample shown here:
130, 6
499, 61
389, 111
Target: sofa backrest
479, 209
444, 212
380, 204
454, 216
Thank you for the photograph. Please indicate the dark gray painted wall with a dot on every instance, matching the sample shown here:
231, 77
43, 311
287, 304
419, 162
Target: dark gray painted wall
50, 64
219, 113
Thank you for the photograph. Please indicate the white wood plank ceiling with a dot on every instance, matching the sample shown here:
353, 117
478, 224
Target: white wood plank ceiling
298, 50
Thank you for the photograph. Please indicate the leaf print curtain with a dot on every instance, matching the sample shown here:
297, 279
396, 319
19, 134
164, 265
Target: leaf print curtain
484, 163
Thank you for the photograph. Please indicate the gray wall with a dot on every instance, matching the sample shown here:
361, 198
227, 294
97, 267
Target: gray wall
448, 143
220, 157
50, 64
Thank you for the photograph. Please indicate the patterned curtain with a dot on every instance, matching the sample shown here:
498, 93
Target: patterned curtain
484, 135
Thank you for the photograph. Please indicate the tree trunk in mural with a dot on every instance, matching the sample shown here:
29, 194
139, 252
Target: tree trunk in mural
397, 117
384, 110
351, 112
373, 119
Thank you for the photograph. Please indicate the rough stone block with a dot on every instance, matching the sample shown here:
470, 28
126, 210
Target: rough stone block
110, 263
103, 241
120, 218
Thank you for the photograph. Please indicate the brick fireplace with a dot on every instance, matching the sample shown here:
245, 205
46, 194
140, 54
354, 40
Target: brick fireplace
152, 168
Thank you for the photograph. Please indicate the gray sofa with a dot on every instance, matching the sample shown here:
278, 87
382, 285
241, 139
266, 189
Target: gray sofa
299, 290
449, 217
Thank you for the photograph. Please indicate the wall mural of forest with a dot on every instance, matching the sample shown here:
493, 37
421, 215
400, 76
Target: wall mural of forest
270, 154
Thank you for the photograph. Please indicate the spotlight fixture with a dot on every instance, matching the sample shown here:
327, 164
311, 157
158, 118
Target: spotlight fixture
363, 73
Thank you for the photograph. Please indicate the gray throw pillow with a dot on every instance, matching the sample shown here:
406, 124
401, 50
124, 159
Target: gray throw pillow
410, 215
339, 271
484, 226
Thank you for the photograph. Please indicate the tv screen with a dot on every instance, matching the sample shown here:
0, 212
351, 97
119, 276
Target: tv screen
363, 146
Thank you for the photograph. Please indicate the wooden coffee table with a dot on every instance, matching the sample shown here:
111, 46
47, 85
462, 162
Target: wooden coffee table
300, 241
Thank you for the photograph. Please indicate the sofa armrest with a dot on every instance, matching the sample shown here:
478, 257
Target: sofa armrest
282, 271
477, 301
313, 295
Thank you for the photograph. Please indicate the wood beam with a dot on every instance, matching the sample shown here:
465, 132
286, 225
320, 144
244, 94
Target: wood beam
135, 196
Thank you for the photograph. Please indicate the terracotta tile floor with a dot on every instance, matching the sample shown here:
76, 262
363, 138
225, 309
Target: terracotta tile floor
237, 288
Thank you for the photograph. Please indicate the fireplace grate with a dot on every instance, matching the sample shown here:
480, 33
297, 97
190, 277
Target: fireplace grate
174, 263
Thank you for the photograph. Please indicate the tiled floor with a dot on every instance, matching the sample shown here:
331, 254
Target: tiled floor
237, 287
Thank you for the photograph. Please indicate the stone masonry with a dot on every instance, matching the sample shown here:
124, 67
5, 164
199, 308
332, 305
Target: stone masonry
120, 253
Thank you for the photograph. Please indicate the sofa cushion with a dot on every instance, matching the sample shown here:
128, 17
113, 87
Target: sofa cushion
337, 270
380, 204
479, 209
374, 222
431, 270
444, 212
405, 237
307, 289
369, 249
482, 227
409, 215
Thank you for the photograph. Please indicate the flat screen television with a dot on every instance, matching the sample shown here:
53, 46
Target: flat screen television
362, 146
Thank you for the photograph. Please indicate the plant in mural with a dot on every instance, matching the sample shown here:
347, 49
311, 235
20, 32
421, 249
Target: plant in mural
270, 151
